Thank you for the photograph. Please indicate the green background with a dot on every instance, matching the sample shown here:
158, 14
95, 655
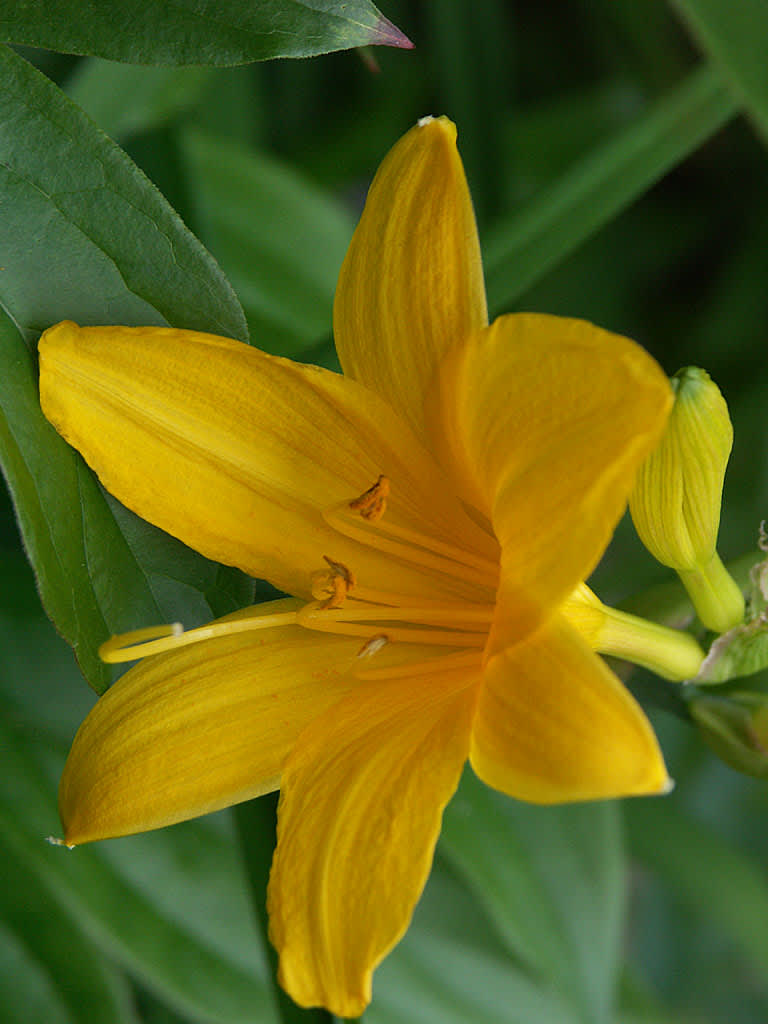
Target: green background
616, 156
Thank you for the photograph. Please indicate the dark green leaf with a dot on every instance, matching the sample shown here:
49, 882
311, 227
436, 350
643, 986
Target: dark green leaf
735, 35
85, 236
197, 31
551, 879
280, 239
522, 249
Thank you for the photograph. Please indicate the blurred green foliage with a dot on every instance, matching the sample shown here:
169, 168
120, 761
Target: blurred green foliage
614, 179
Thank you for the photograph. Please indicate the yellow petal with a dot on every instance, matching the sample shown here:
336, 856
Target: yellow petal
361, 802
237, 453
554, 724
199, 728
545, 421
412, 282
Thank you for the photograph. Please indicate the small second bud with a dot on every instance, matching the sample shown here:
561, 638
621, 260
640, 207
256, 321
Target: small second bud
675, 503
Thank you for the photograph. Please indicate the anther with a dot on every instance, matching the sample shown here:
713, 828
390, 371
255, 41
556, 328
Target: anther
372, 503
331, 586
373, 646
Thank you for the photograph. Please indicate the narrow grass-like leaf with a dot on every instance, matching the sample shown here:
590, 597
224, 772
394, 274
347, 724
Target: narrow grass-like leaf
85, 236
718, 880
129, 920
522, 249
280, 239
83, 988
449, 970
735, 36
546, 877
189, 32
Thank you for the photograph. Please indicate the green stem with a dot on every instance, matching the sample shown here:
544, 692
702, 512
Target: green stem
717, 599
255, 822
669, 603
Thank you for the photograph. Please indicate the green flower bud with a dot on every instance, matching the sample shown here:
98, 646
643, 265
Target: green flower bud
736, 729
675, 503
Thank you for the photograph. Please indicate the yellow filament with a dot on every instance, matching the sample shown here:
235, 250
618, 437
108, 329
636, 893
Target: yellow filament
390, 598
443, 663
141, 643
433, 637
419, 549
354, 612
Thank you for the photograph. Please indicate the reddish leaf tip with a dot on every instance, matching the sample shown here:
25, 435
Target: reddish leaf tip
387, 34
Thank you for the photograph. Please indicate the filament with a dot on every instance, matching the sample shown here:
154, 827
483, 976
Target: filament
427, 553
141, 643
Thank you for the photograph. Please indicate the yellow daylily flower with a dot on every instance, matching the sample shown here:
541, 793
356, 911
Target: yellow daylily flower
429, 512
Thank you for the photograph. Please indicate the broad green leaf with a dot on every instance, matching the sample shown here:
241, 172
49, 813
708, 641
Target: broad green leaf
125, 100
85, 236
551, 880
520, 250
703, 870
280, 239
58, 961
165, 926
190, 32
735, 36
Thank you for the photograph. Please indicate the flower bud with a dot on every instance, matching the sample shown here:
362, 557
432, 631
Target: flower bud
675, 503
736, 729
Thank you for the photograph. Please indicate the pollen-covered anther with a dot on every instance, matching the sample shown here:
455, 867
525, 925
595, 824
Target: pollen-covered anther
331, 585
374, 645
372, 503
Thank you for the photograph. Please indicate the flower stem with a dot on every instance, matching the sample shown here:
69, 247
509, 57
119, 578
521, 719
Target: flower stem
255, 823
715, 595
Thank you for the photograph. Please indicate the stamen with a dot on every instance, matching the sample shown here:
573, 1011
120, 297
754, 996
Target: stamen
389, 597
418, 550
332, 585
464, 614
140, 643
443, 663
312, 617
372, 503
373, 646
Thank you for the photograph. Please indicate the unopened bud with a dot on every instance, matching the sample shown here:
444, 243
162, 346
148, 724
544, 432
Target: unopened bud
675, 503
736, 729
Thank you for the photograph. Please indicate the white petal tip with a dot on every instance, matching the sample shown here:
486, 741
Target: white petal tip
667, 788
425, 120
55, 841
